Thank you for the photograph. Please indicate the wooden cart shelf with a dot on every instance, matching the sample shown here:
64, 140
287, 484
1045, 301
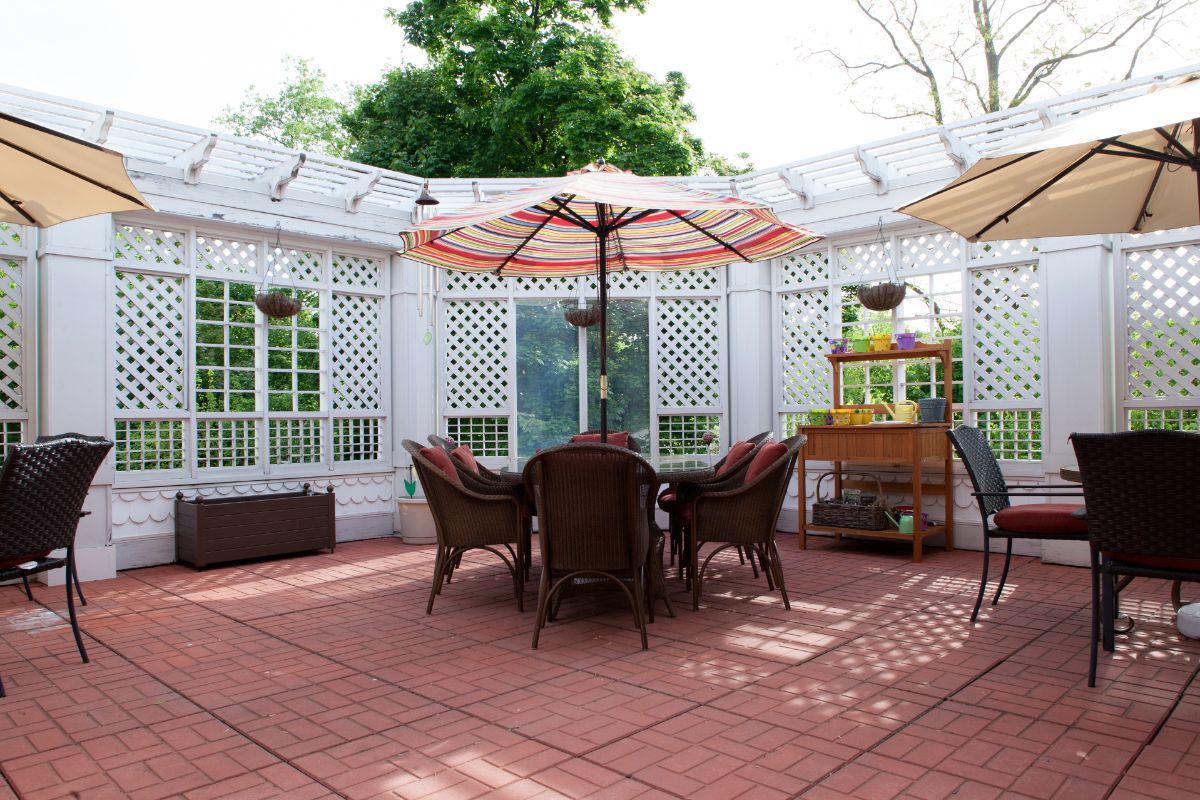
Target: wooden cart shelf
911, 445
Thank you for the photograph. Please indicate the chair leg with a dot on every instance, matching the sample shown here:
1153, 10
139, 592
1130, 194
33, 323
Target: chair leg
28, 591
764, 558
1095, 617
439, 565
543, 602
639, 610
1108, 634
749, 551
75, 574
2, 694
71, 606
518, 574
1003, 573
983, 580
777, 568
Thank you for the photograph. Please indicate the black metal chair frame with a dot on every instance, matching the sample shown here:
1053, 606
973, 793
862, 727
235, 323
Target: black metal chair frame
40, 509
992, 493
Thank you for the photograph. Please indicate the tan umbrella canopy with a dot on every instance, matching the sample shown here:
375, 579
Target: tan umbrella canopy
47, 177
1132, 167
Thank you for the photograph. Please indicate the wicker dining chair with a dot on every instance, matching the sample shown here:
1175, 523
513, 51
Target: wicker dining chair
465, 519
743, 511
478, 478
480, 470
42, 490
1004, 521
1142, 514
594, 503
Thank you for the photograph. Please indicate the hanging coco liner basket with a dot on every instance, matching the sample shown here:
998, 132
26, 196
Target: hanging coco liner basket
583, 317
881, 296
277, 304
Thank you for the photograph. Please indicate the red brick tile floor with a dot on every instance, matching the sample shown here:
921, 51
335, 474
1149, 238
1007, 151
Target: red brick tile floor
321, 676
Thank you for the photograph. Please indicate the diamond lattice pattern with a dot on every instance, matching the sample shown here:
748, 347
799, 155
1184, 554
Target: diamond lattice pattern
689, 348
804, 269
294, 264
478, 343
930, 250
151, 341
689, 280
12, 331
1163, 322
148, 247
356, 352
863, 260
1006, 334
357, 271
226, 255
806, 372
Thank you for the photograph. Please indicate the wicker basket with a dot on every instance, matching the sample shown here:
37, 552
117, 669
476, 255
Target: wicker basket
881, 296
834, 513
276, 304
583, 317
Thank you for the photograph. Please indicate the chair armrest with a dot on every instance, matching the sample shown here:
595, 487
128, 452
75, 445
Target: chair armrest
83, 514
1027, 494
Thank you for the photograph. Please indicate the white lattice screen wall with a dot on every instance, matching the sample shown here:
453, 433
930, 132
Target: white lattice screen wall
1160, 334
202, 381
985, 298
16, 336
477, 330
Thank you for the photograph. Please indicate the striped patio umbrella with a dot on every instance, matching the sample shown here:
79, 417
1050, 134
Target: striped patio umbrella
598, 220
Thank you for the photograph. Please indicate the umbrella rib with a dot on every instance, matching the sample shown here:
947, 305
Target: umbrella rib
1144, 212
972, 179
636, 217
1173, 140
1137, 151
574, 218
1062, 174
16, 206
709, 234
73, 173
549, 215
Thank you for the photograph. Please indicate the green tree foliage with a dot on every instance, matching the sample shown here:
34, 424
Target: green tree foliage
521, 87
304, 114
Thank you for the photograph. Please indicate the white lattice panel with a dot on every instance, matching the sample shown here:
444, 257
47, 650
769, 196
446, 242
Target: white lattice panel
219, 254
804, 269
286, 264
625, 282
864, 260
1008, 248
12, 332
689, 352
544, 286
357, 439
473, 282
689, 280
1006, 334
147, 247
478, 335
151, 341
806, 376
359, 272
295, 441
1163, 322
226, 443
356, 351
931, 251
143, 445
11, 235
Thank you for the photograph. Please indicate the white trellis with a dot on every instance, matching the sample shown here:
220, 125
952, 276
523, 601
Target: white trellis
17, 369
204, 385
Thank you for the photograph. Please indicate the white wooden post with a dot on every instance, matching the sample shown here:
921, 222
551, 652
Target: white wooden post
748, 328
414, 363
73, 266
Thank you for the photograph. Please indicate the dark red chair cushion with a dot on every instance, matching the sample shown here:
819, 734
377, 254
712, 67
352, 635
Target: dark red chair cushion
1044, 518
1157, 562
441, 460
666, 500
465, 457
617, 438
736, 453
5, 563
766, 456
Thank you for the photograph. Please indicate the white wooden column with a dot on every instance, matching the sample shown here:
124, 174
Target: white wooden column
74, 339
1078, 368
414, 361
750, 406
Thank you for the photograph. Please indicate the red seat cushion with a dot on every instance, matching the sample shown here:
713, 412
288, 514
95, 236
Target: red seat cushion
666, 500
736, 454
438, 457
763, 460
466, 458
5, 563
618, 438
1045, 518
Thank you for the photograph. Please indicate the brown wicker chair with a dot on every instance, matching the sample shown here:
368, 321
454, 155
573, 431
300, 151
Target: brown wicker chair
633, 443
743, 511
594, 503
478, 478
481, 471
1001, 519
469, 519
42, 490
1142, 515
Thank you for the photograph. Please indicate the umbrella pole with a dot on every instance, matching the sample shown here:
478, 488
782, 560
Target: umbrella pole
603, 233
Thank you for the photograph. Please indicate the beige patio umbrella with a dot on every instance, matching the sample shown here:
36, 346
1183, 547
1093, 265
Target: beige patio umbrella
47, 177
1132, 167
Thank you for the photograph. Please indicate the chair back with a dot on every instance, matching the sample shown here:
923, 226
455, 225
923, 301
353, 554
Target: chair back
982, 466
633, 443
593, 504
1140, 489
42, 490
441, 441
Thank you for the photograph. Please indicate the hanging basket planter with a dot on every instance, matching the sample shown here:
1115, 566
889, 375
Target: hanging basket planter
881, 296
277, 304
583, 317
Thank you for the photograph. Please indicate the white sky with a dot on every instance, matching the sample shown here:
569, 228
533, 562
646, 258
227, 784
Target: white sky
185, 62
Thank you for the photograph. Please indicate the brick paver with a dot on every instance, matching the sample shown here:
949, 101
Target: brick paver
321, 676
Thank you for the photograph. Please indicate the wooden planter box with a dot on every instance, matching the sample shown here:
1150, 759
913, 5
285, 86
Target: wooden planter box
214, 531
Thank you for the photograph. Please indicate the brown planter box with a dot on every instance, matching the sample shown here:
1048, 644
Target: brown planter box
237, 528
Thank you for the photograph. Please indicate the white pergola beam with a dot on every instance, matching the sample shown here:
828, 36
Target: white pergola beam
961, 153
284, 173
802, 187
874, 169
192, 160
355, 192
101, 125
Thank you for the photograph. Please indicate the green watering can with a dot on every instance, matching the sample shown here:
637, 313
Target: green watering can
905, 523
